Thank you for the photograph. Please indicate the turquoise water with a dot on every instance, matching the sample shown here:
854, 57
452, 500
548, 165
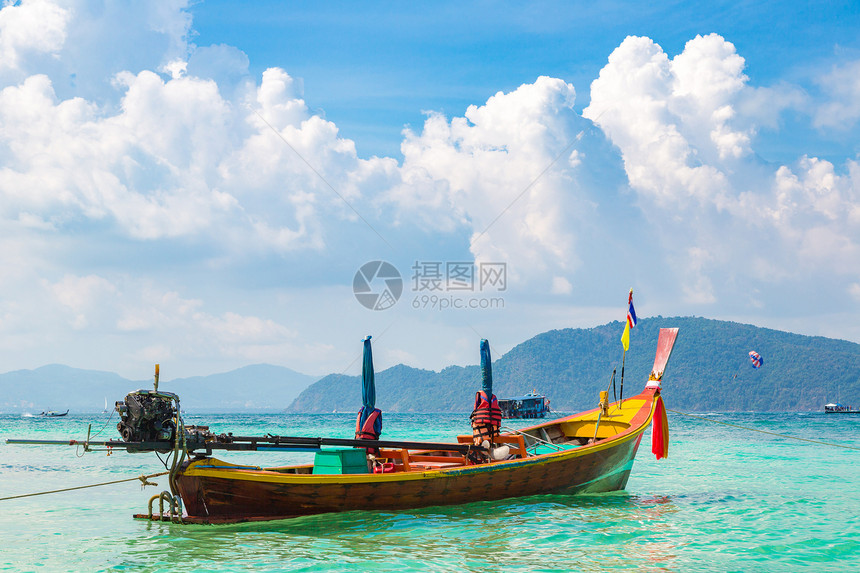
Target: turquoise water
725, 500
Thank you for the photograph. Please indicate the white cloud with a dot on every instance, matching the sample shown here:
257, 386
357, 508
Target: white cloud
688, 153
672, 119
292, 171
764, 106
81, 314
817, 212
252, 170
505, 170
226, 65
842, 88
179, 160
81, 44
100, 196
33, 26
697, 286
175, 68
83, 297
146, 168
561, 285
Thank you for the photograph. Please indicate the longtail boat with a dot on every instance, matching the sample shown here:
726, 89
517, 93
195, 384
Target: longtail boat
53, 414
592, 451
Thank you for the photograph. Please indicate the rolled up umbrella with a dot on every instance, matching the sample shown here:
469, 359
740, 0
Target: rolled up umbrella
368, 384
486, 369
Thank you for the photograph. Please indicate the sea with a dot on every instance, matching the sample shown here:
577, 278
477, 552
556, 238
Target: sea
728, 498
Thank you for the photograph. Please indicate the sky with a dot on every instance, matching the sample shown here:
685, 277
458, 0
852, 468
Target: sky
212, 184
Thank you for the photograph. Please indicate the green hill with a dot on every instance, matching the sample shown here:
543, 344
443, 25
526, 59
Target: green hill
709, 371
258, 387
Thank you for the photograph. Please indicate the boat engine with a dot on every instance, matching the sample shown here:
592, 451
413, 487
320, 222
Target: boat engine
147, 416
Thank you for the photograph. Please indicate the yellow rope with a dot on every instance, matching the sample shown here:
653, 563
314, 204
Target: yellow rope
142, 479
764, 431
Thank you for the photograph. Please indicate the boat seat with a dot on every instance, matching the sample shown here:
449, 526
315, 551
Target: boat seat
401, 455
435, 465
515, 441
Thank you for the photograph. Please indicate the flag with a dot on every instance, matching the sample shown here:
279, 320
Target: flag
631, 322
625, 337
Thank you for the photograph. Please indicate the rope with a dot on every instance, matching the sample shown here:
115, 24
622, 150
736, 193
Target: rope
764, 431
105, 426
142, 480
535, 438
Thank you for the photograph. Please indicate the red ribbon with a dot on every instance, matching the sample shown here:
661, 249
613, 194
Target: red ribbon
660, 431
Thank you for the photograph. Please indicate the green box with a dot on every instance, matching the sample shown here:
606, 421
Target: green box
341, 461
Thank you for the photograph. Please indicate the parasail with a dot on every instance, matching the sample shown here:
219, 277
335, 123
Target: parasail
756, 359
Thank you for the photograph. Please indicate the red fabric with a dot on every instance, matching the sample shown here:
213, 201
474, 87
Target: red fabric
367, 432
486, 410
660, 431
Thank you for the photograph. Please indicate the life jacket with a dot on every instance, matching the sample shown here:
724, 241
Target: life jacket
371, 429
486, 418
483, 432
368, 431
487, 411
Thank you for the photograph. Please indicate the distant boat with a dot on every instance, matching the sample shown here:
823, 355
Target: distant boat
52, 414
840, 409
532, 405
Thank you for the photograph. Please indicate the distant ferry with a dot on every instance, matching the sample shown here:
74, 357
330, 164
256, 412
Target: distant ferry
532, 405
840, 409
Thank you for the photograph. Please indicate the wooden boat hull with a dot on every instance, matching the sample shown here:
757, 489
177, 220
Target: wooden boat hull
215, 492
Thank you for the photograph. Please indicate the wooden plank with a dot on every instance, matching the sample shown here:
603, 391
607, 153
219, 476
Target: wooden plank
456, 460
401, 454
665, 343
515, 440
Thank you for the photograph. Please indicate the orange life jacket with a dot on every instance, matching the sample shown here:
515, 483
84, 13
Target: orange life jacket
487, 411
367, 431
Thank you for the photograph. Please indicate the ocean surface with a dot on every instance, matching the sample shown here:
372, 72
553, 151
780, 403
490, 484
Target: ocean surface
726, 499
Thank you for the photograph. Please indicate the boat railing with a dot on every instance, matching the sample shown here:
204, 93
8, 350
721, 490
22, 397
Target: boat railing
537, 442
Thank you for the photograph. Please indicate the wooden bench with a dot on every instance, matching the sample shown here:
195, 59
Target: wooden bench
408, 462
396, 455
436, 465
515, 441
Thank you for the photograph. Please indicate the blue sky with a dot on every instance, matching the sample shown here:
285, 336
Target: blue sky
198, 184
373, 68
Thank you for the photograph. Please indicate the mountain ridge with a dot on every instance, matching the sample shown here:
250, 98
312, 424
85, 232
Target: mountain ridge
58, 387
709, 370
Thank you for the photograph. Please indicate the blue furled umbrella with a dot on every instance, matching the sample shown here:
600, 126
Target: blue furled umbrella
486, 369
368, 385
